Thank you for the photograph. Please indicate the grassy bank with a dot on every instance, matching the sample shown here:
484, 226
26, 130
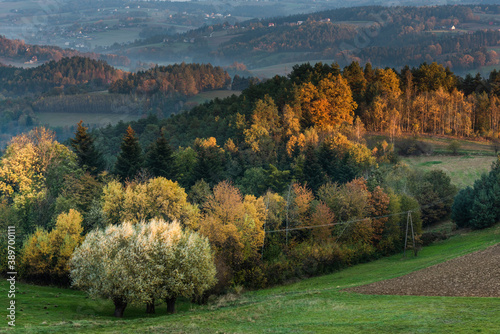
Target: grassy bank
316, 305
463, 170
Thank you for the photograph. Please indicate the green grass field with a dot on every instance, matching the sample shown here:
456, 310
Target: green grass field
123, 35
316, 305
463, 170
474, 157
284, 68
440, 144
208, 96
55, 119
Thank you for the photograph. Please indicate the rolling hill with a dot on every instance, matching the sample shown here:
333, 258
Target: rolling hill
313, 305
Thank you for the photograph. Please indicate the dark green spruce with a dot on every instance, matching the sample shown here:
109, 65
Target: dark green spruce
159, 159
130, 160
89, 158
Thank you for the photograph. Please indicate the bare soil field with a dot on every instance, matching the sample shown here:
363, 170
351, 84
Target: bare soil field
473, 275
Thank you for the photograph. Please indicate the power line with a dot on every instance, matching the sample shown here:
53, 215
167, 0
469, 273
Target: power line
440, 200
338, 223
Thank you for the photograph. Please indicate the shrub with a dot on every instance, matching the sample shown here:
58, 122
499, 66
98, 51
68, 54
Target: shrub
454, 147
412, 147
430, 237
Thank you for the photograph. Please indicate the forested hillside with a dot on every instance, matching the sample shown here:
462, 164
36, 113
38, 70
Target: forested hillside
65, 73
80, 85
279, 181
460, 37
183, 79
290, 177
275, 184
429, 99
18, 52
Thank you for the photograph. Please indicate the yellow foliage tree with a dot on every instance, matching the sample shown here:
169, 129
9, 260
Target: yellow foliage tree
157, 198
327, 105
32, 167
233, 224
46, 254
36, 254
66, 236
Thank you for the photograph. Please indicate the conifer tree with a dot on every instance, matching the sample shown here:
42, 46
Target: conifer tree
130, 159
356, 78
210, 162
313, 172
160, 160
89, 157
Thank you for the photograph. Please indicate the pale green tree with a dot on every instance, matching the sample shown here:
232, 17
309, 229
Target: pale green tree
143, 263
102, 266
156, 198
173, 263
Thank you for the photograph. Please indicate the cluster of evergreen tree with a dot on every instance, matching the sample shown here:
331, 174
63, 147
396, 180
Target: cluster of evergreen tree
65, 72
183, 79
479, 206
18, 51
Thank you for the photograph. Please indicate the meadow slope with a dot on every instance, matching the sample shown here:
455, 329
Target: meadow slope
316, 305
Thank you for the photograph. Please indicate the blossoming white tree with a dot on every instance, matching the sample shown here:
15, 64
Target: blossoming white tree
143, 263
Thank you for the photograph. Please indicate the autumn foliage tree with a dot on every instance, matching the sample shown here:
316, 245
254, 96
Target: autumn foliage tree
234, 226
329, 104
32, 173
45, 255
322, 220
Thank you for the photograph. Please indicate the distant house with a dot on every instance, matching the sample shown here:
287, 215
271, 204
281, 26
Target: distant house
271, 24
324, 20
33, 60
452, 28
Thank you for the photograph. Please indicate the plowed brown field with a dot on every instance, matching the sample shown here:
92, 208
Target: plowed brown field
472, 275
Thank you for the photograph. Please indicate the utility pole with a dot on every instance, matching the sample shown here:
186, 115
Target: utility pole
287, 207
409, 222
265, 222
